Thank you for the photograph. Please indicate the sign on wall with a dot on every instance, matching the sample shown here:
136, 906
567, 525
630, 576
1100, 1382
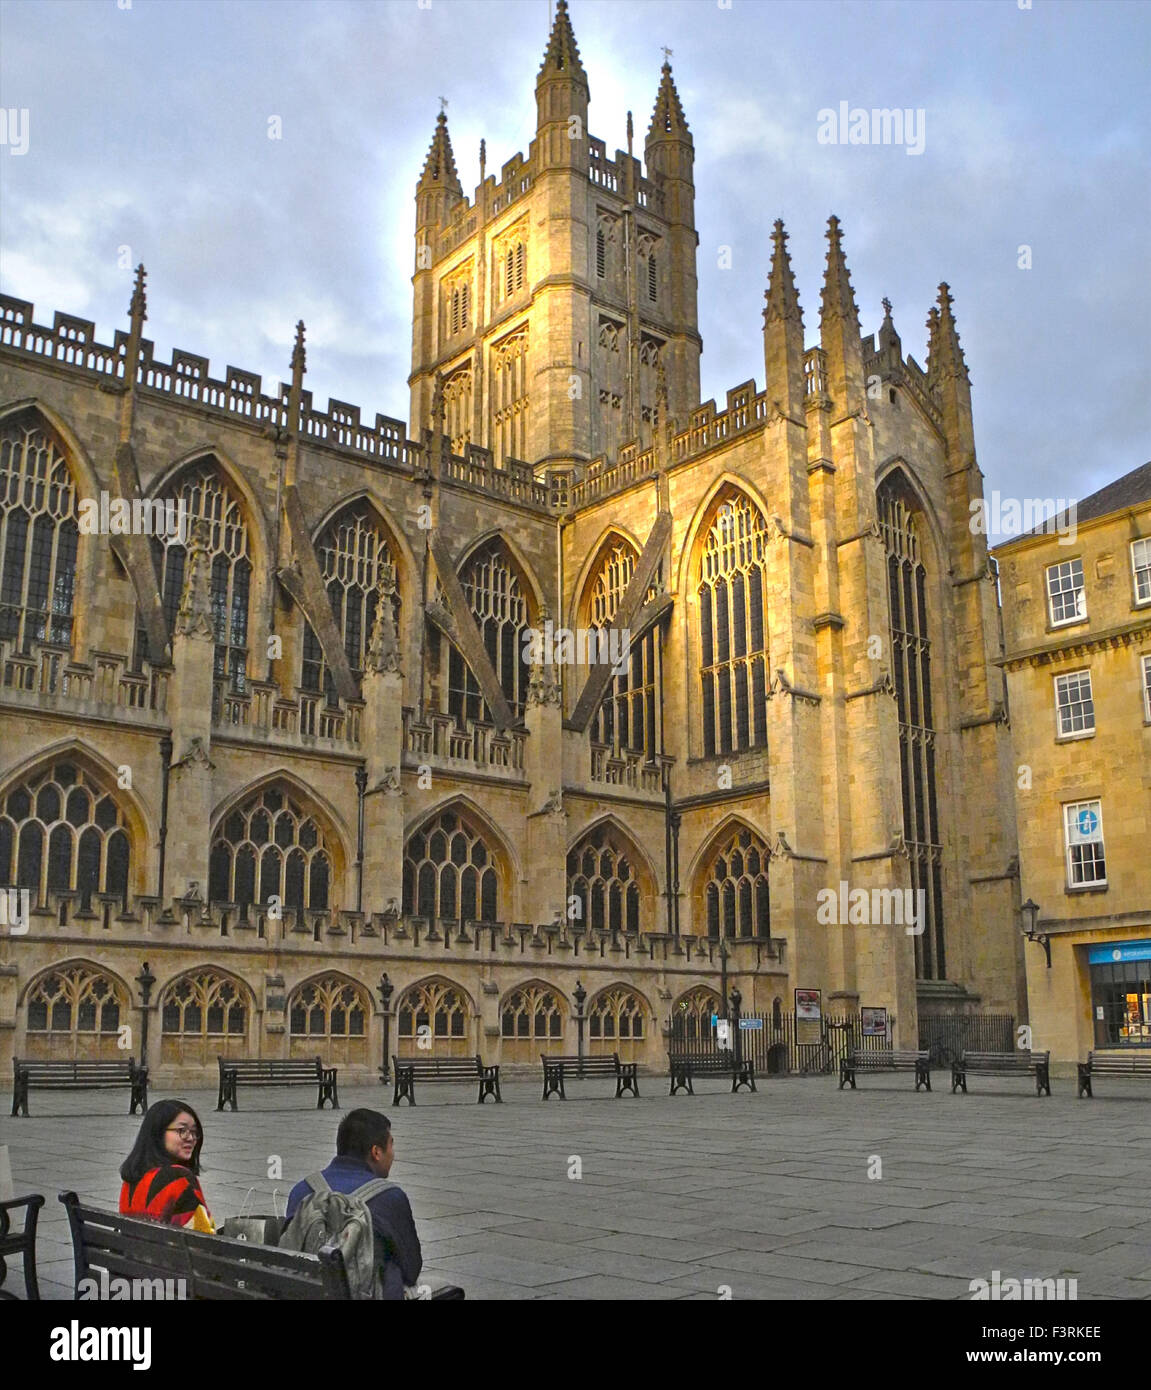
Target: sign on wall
807, 1005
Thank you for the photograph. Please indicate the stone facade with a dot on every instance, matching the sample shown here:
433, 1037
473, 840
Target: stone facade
1077, 622
309, 721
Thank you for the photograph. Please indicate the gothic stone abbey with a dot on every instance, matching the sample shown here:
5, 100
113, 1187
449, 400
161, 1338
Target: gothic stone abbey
296, 745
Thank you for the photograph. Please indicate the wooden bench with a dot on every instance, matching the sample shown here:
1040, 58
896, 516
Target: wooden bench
78, 1076
1136, 1064
125, 1247
1037, 1064
885, 1059
625, 1073
260, 1071
409, 1070
684, 1065
21, 1243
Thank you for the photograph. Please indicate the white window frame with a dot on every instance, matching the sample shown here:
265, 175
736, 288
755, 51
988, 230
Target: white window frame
1143, 570
1147, 688
1081, 604
1062, 733
1071, 809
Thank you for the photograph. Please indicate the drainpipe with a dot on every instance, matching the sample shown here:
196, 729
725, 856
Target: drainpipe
166, 761
361, 787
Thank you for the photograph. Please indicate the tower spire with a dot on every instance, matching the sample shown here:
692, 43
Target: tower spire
440, 165
838, 299
783, 332
944, 354
667, 118
562, 53
781, 295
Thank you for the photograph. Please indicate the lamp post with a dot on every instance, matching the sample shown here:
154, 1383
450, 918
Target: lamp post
736, 1001
723, 976
580, 997
386, 990
1030, 913
145, 979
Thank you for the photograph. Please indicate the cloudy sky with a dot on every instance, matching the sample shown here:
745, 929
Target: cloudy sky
148, 130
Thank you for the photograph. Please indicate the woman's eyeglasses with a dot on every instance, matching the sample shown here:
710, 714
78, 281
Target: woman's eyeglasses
184, 1132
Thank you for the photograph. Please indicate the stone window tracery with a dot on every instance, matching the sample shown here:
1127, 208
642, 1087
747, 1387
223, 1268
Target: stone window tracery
630, 715
204, 1004
441, 1010
352, 552
450, 872
270, 846
77, 1002
733, 626
496, 599
602, 876
60, 832
207, 496
330, 1007
39, 536
737, 896
911, 663
692, 1015
617, 1015
533, 1011
510, 397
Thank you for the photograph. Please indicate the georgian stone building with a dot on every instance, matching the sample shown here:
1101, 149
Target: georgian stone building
298, 746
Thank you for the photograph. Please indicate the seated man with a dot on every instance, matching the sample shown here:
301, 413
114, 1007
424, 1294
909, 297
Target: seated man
366, 1150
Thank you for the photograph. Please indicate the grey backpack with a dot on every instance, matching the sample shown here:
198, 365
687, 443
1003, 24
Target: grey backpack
342, 1218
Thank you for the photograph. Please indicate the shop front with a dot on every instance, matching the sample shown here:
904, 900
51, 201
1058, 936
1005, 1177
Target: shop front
1121, 994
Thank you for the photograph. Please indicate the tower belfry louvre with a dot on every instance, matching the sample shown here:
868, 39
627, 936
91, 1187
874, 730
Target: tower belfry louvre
378, 778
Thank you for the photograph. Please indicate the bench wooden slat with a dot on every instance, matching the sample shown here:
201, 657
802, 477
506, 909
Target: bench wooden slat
885, 1059
1134, 1064
213, 1267
77, 1074
443, 1069
276, 1071
1018, 1063
599, 1064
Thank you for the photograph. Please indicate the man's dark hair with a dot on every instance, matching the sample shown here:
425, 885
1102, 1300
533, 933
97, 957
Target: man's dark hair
149, 1152
360, 1131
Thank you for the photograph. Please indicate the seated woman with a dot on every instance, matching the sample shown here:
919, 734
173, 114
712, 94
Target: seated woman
161, 1174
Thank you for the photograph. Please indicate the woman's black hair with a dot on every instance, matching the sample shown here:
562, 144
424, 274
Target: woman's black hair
149, 1152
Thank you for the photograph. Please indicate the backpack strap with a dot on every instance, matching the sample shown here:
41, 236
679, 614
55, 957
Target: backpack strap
371, 1189
318, 1183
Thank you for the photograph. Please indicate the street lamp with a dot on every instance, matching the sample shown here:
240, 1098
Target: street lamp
386, 990
145, 979
580, 996
737, 1046
723, 974
1030, 914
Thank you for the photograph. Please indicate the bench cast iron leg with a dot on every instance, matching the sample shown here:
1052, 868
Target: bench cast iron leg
1042, 1080
1084, 1081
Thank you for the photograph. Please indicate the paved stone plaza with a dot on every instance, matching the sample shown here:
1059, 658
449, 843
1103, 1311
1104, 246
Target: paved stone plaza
767, 1194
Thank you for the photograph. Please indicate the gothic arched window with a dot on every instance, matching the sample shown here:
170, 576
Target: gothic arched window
602, 876
75, 1010
449, 871
39, 536
352, 551
911, 662
630, 715
615, 1016
330, 1007
62, 832
691, 1024
496, 598
270, 846
436, 1015
736, 893
532, 1011
204, 1004
206, 496
733, 626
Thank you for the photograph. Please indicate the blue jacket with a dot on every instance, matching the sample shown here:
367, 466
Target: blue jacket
397, 1243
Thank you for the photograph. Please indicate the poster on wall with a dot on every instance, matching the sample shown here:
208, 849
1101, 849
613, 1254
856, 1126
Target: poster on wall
874, 1022
807, 1005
